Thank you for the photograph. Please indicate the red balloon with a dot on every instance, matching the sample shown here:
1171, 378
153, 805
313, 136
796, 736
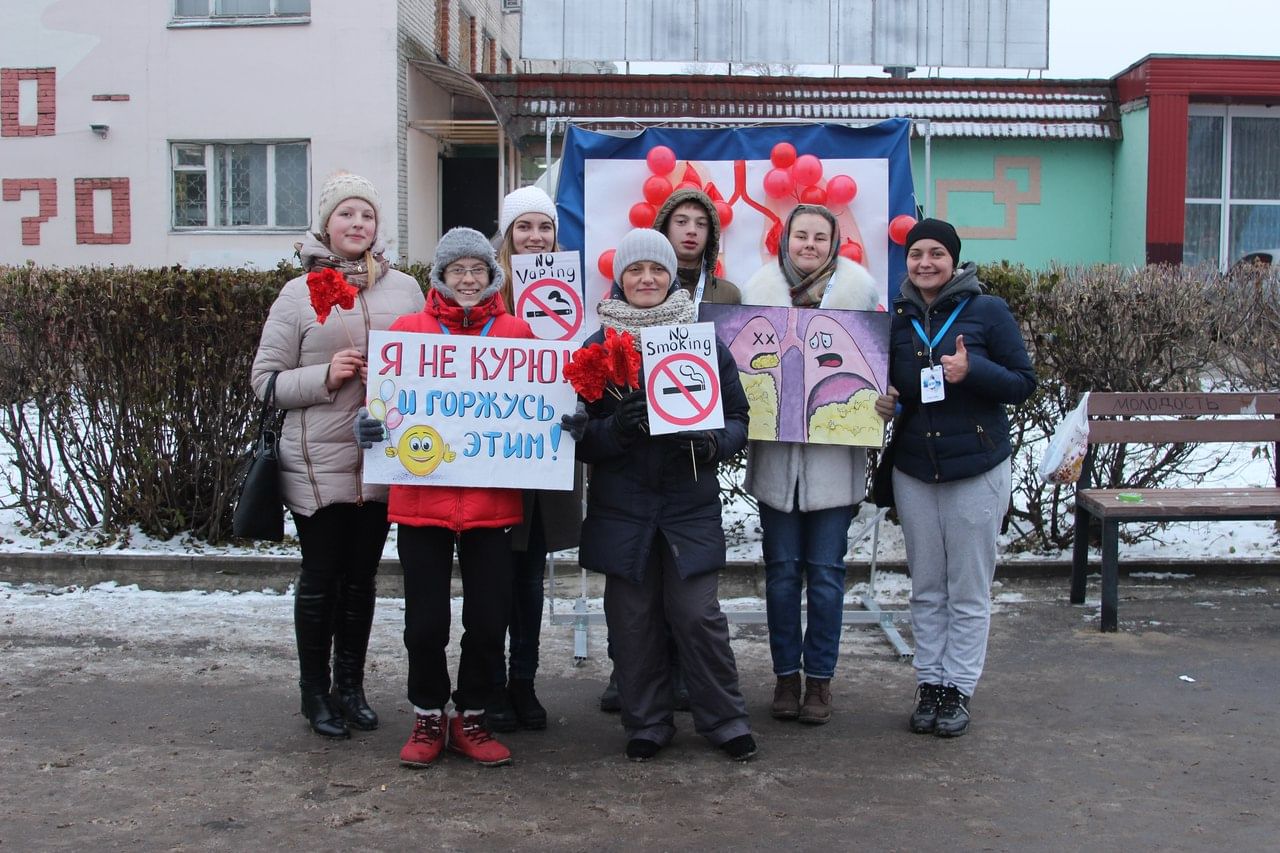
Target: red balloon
841, 189
661, 160
605, 263
899, 226
687, 185
719, 270
851, 250
642, 214
813, 195
807, 171
778, 183
656, 189
783, 155
725, 213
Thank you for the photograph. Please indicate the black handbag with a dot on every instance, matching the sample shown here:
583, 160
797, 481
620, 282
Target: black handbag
259, 512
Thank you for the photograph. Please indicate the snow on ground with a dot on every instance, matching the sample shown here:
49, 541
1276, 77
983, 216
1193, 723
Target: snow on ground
252, 630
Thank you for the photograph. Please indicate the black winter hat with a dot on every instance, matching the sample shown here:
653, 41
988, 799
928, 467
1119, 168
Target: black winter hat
936, 229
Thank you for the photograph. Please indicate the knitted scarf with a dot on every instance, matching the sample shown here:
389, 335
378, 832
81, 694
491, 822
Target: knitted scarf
622, 316
315, 254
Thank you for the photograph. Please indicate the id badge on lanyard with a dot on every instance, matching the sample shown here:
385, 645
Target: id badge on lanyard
933, 388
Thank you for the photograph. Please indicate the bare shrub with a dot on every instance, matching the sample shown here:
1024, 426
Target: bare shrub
1106, 328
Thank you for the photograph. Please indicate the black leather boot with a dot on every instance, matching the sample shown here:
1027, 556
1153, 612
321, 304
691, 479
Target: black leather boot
322, 712
313, 627
524, 701
355, 709
499, 716
352, 623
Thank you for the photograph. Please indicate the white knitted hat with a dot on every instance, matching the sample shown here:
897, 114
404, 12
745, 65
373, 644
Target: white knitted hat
522, 201
338, 188
643, 244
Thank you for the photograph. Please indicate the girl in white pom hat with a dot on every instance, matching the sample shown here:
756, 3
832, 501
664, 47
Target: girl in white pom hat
552, 520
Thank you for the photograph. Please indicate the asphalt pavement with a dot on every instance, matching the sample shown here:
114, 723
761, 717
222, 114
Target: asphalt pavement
170, 721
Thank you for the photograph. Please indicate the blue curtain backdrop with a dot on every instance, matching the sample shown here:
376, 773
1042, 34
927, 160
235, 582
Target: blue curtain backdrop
889, 140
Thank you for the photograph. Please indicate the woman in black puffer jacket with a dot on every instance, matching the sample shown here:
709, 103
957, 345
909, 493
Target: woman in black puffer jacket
653, 526
956, 359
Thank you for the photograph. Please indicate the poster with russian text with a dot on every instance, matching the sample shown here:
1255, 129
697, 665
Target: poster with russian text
470, 411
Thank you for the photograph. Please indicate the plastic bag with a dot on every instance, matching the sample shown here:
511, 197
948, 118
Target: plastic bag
1064, 457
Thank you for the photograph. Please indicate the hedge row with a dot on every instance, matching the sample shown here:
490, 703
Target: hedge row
126, 400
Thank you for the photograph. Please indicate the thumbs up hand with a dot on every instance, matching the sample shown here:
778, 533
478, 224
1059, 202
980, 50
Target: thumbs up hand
956, 367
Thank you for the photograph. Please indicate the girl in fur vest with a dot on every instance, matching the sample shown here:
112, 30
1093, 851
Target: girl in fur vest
807, 493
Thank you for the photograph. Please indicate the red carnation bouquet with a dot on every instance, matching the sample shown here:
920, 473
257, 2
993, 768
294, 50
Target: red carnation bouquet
613, 366
329, 288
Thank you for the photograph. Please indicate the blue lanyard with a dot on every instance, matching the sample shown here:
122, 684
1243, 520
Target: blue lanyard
483, 332
938, 337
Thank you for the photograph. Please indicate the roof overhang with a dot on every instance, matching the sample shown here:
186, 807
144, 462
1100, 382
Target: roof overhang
974, 108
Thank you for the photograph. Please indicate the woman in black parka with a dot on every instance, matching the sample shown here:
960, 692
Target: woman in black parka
653, 526
956, 360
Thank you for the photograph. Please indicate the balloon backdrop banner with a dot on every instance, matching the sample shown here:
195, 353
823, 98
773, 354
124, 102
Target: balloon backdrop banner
754, 176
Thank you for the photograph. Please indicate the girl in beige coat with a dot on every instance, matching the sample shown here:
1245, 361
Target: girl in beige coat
321, 370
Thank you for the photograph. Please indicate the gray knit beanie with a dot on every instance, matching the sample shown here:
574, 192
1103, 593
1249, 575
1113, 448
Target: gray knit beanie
644, 244
464, 243
338, 188
522, 201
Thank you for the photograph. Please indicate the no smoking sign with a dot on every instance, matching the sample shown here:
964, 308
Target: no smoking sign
683, 381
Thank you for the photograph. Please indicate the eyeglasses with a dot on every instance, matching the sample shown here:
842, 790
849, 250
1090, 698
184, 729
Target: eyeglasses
459, 273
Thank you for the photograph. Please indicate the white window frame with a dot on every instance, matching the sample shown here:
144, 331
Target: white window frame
214, 19
1225, 202
210, 196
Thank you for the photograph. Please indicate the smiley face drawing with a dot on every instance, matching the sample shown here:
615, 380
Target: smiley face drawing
421, 450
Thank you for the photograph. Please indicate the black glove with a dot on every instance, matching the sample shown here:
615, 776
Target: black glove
632, 415
367, 429
575, 424
704, 445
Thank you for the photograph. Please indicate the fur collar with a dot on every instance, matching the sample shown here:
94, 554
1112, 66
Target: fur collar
852, 287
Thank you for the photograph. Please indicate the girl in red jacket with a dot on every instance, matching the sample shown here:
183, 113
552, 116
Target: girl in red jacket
464, 300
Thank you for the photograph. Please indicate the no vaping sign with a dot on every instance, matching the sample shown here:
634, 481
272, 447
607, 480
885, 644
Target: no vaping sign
548, 295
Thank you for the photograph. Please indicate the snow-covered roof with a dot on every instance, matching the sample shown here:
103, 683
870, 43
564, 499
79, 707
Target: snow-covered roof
1027, 109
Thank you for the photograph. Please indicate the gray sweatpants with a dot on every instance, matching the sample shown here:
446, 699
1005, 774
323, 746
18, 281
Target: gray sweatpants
638, 614
950, 531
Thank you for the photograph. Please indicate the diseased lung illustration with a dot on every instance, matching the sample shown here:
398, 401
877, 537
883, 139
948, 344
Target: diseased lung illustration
811, 375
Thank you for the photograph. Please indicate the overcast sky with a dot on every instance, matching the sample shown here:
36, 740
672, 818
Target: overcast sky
1100, 38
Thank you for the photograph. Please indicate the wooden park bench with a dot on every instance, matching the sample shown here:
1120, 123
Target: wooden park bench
1159, 418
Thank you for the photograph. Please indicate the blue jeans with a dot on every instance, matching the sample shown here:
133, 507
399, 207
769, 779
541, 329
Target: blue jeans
805, 547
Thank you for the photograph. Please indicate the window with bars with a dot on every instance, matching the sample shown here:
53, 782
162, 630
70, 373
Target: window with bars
1233, 183
188, 9
228, 185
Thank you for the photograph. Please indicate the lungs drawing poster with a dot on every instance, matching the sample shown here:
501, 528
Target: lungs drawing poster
811, 375
470, 411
